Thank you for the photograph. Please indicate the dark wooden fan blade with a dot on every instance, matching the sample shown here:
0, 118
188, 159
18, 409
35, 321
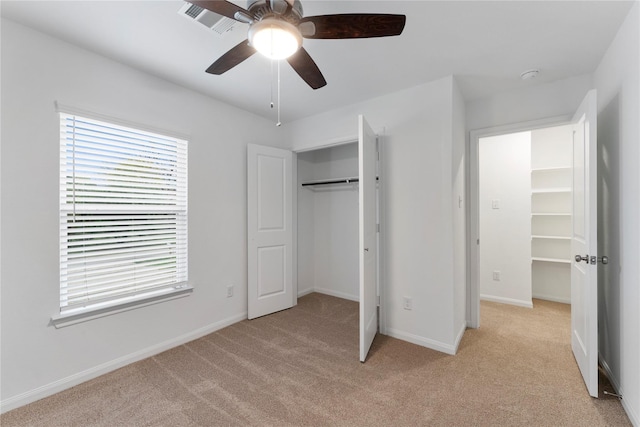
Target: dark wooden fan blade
232, 58
306, 68
221, 7
352, 26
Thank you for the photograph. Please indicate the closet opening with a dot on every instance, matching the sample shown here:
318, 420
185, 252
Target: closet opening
327, 231
525, 196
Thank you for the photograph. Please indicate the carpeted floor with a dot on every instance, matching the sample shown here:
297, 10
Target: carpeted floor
300, 367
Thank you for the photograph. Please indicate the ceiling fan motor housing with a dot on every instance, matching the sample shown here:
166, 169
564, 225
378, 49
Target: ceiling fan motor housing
267, 8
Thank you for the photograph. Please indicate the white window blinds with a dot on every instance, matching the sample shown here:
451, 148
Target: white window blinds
123, 214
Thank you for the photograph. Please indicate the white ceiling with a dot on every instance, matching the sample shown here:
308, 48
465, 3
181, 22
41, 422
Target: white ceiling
485, 44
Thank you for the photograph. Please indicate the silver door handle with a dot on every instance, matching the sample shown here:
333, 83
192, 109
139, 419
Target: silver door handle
366, 249
582, 258
602, 259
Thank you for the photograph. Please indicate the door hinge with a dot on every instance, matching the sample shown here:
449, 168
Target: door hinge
378, 228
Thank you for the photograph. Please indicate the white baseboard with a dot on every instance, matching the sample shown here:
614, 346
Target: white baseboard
607, 370
305, 292
459, 337
552, 298
336, 294
421, 341
89, 374
633, 416
511, 301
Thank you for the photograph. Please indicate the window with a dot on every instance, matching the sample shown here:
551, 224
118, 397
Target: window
123, 216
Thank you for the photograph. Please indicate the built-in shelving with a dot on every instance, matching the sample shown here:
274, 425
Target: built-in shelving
551, 218
551, 214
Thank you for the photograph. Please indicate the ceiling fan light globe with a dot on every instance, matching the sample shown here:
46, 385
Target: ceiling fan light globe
274, 38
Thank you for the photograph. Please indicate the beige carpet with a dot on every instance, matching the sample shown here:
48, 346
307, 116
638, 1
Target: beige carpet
300, 367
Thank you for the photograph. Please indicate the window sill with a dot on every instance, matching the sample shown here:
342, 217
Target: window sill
80, 315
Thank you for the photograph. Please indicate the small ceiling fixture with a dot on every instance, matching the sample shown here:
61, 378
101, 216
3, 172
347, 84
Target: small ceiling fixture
274, 38
529, 74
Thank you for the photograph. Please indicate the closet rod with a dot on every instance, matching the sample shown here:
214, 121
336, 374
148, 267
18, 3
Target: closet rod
335, 181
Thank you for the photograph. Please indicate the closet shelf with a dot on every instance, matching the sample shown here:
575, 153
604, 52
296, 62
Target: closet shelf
551, 237
551, 190
556, 168
550, 214
558, 260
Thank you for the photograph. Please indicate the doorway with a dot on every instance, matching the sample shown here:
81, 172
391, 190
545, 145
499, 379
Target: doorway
495, 206
271, 235
525, 189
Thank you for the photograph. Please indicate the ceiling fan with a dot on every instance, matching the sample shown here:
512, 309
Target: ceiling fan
277, 27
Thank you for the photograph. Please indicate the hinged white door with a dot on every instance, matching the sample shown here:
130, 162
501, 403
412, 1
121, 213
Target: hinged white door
584, 268
367, 157
269, 230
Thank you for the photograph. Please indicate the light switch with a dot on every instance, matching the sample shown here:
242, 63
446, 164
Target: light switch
495, 204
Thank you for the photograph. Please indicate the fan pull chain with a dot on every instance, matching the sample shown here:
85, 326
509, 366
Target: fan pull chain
279, 122
271, 82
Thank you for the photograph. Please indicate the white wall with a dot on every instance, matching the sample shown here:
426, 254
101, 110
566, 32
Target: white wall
552, 147
328, 223
616, 80
416, 126
37, 70
505, 231
554, 99
305, 226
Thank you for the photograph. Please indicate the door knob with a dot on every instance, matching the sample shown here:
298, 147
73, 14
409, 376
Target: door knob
602, 259
582, 258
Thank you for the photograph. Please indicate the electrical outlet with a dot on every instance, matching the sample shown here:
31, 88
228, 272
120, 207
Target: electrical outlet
407, 303
496, 275
229, 291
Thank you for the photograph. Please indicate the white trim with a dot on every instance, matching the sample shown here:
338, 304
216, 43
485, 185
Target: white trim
294, 217
382, 296
334, 142
304, 292
337, 294
89, 114
421, 341
552, 298
473, 224
633, 417
612, 379
328, 144
78, 316
91, 373
456, 344
510, 301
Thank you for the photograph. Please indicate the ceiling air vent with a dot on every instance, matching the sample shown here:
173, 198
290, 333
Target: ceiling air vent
218, 23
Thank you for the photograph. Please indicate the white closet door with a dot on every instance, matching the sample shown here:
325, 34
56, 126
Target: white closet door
269, 230
367, 157
584, 269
